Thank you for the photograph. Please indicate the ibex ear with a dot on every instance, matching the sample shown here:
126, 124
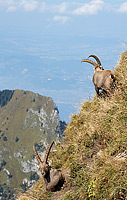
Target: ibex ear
50, 162
101, 67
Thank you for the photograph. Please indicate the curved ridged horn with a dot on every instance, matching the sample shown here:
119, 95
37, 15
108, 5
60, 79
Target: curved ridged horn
96, 58
36, 155
47, 152
90, 61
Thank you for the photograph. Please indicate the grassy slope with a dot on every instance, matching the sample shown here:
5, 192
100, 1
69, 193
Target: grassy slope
95, 148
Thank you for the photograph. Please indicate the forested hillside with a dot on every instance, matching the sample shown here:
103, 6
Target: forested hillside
5, 96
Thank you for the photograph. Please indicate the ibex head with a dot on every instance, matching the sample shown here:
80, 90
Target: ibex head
43, 165
98, 66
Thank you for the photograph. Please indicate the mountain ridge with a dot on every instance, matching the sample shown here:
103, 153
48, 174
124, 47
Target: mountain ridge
26, 119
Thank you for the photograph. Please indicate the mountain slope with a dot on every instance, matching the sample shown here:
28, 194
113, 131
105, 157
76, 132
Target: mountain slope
25, 119
94, 149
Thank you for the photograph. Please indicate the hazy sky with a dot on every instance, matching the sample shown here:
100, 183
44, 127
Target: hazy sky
95, 17
43, 42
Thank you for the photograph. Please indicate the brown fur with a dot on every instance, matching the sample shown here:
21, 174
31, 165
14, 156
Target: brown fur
53, 179
102, 79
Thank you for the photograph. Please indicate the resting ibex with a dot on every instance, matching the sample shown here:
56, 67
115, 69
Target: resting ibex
53, 179
102, 79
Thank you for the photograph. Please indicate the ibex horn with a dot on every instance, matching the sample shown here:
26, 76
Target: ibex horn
37, 156
47, 152
96, 58
90, 61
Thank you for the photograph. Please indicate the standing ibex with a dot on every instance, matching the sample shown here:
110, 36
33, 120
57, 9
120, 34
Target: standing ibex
102, 79
53, 179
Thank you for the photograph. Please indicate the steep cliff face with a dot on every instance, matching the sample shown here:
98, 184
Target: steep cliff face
25, 120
